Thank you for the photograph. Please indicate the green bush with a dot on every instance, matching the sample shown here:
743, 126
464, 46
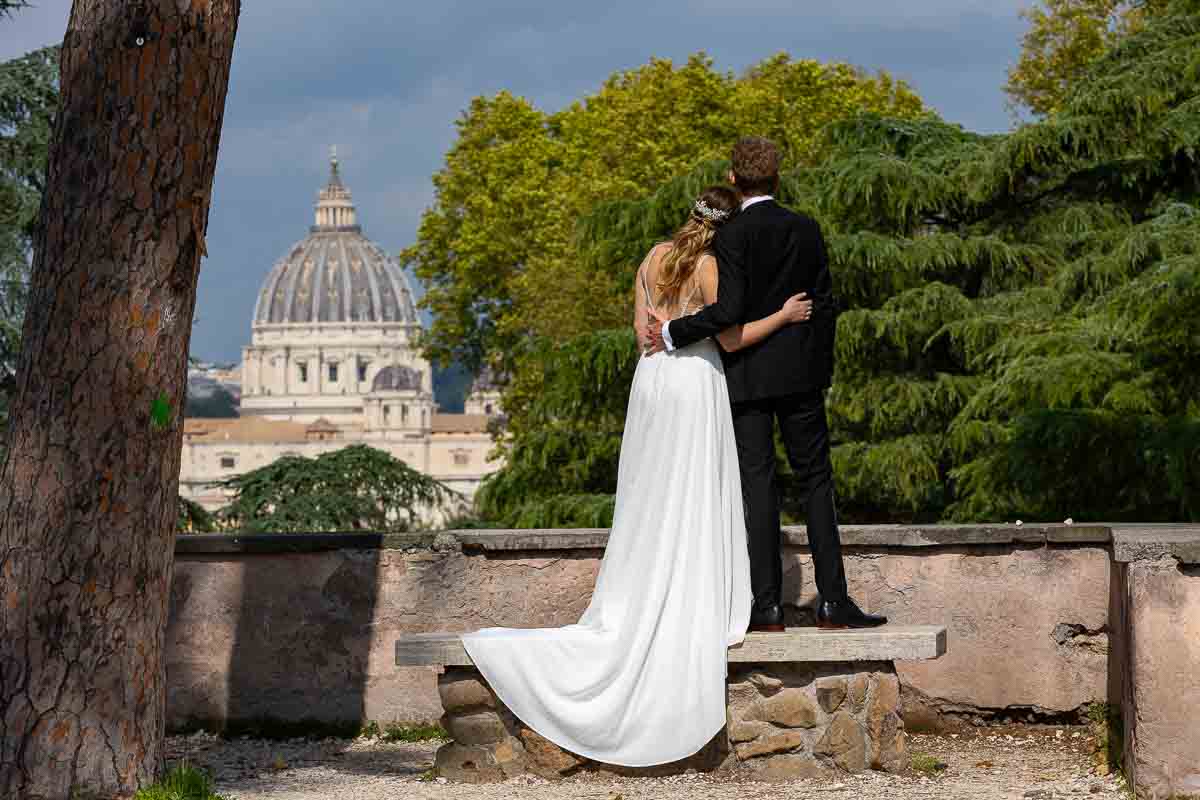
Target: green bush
181, 783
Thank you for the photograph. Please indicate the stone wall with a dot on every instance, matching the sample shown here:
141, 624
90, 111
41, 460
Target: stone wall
303, 627
1158, 613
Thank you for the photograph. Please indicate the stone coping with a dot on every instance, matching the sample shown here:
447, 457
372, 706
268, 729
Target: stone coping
231, 543
852, 536
597, 538
886, 643
1152, 542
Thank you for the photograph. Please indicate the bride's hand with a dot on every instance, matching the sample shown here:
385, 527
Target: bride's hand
797, 308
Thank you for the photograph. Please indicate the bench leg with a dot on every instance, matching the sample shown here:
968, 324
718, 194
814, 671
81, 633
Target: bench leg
816, 719
783, 721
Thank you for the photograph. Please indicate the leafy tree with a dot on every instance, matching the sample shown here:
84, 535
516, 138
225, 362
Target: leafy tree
1064, 37
356, 488
566, 409
8, 6
1018, 329
193, 517
28, 99
497, 252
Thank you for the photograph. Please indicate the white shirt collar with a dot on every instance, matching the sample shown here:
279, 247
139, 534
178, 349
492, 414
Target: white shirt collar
756, 199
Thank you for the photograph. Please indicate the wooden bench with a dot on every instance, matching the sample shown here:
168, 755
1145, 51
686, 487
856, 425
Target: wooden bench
804, 703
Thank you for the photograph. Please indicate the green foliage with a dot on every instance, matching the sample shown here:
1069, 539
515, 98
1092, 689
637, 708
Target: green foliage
566, 412
498, 251
395, 732
193, 518
1108, 733
1018, 335
1064, 37
356, 488
28, 100
925, 764
181, 783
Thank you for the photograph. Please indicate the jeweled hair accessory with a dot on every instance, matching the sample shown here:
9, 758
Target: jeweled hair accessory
709, 213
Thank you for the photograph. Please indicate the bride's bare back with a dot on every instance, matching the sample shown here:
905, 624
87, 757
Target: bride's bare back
699, 291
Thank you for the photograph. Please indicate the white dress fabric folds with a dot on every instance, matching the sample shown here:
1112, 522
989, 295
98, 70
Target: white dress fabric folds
640, 679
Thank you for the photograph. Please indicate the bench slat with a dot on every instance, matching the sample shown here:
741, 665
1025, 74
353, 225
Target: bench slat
888, 643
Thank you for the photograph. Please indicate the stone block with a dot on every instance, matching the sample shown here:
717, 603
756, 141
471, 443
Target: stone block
510, 756
831, 691
774, 743
484, 727
890, 745
745, 731
796, 645
856, 691
462, 689
885, 700
790, 708
845, 742
545, 757
467, 764
789, 766
764, 683
741, 693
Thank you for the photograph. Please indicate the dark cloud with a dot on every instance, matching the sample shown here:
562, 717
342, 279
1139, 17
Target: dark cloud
385, 81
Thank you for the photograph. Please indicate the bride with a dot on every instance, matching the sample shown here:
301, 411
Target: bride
640, 679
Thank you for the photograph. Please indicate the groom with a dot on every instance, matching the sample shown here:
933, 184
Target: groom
765, 255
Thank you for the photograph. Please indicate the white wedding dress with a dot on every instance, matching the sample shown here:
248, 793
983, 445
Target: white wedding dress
640, 679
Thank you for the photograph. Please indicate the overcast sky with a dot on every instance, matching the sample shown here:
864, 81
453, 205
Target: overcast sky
384, 80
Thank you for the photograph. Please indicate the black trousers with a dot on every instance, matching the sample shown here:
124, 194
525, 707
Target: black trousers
805, 433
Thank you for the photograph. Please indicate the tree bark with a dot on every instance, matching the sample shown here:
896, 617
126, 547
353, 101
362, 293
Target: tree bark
89, 486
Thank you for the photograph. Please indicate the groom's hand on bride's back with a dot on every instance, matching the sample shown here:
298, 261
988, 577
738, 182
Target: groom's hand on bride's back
652, 341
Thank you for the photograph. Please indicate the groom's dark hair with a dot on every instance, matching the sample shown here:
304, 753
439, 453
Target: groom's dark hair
755, 165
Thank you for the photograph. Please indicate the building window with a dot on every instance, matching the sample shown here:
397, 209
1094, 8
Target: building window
362, 371
333, 373
461, 457
403, 415
386, 409
303, 372
228, 462
487, 408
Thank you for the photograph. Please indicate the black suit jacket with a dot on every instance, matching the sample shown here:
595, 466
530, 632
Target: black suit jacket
765, 255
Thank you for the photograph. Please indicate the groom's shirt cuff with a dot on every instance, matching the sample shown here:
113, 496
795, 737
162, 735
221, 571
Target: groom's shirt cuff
666, 332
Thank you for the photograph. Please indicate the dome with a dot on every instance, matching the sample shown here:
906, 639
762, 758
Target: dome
396, 378
335, 274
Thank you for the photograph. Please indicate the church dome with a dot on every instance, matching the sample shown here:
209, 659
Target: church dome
394, 378
335, 274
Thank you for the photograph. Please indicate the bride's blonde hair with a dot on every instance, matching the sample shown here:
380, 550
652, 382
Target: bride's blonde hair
715, 206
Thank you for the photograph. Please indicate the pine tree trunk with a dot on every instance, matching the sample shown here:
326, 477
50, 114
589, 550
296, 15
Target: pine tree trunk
89, 487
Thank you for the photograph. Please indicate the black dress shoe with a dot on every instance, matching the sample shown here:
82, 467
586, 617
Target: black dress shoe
769, 620
836, 614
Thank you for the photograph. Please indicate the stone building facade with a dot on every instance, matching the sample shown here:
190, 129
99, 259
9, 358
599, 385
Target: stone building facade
332, 361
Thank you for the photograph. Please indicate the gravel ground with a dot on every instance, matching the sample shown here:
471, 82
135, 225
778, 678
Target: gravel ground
1021, 763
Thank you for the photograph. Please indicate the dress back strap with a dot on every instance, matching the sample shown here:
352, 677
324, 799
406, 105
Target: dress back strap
646, 287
